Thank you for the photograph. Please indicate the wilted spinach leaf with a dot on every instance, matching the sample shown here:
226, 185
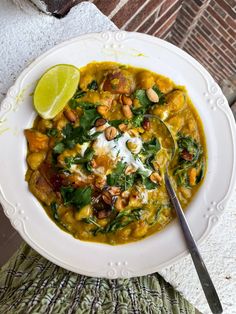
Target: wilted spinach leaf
78, 197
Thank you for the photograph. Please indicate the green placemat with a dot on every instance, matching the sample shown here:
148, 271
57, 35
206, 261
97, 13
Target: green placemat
31, 284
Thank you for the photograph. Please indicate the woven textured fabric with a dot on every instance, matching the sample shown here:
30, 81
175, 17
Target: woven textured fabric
31, 284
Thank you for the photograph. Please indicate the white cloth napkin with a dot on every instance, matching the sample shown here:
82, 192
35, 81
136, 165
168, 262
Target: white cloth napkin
24, 35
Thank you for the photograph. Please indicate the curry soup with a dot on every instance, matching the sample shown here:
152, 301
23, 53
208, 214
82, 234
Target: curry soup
97, 167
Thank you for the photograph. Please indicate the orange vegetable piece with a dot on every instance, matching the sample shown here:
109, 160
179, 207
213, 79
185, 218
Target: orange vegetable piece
37, 141
192, 176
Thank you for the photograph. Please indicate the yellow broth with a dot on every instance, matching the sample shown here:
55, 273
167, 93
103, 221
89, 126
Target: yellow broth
101, 179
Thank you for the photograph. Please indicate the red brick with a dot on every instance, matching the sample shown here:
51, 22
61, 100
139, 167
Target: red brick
227, 8
223, 32
166, 26
166, 5
164, 17
222, 54
106, 6
217, 17
218, 9
232, 32
189, 10
143, 14
231, 22
126, 12
147, 24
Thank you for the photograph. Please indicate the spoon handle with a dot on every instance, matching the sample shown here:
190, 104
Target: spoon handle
206, 282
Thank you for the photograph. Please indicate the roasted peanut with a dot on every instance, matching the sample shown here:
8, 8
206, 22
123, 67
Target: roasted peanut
101, 128
156, 165
100, 182
125, 194
70, 115
129, 170
100, 122
155, 177
146, 124
126, 100
152, 95
110, 133
120, 203
127, 111
123, 127
114, 190
107, 197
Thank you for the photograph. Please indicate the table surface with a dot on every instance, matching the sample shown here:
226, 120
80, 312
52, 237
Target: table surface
218, 250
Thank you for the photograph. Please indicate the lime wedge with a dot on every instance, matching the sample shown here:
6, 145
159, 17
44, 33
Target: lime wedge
54, 89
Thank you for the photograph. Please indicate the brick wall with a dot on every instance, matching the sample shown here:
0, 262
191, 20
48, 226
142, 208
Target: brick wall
204, 28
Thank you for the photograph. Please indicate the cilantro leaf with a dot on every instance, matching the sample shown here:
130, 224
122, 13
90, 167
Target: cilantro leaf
53, 132
78, 197
88, 118
88, 155
151, 147
93, 85
59, 148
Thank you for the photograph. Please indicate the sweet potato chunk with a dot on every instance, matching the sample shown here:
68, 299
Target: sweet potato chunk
37, 141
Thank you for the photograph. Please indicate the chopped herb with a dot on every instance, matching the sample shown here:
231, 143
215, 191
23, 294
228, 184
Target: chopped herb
88, 155
59, 148
88, 118
52, 132
79, 93
78, 197
54, 207
116, 123
137, 120
93, 85
83, 104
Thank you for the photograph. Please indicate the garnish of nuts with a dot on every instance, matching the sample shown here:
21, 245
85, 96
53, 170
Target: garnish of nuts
152, 95
110, 133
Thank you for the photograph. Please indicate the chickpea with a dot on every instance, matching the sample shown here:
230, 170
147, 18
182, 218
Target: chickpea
103, 110
155, 177
123, 127
44, 124
127, 111
120, 203
35, 159
140, 230
84, 212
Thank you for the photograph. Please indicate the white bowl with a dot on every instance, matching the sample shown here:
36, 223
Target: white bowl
161, 249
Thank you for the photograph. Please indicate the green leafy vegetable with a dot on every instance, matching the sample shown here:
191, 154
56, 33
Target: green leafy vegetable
83, 104
79, 93
54, 207
78, 197
151, 147
59, 148
137, 120
53, 132
119, 178
116, 123
88, 118
88, 155
93, 85
189, 155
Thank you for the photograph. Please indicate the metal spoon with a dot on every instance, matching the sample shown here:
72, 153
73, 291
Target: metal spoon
204, 277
